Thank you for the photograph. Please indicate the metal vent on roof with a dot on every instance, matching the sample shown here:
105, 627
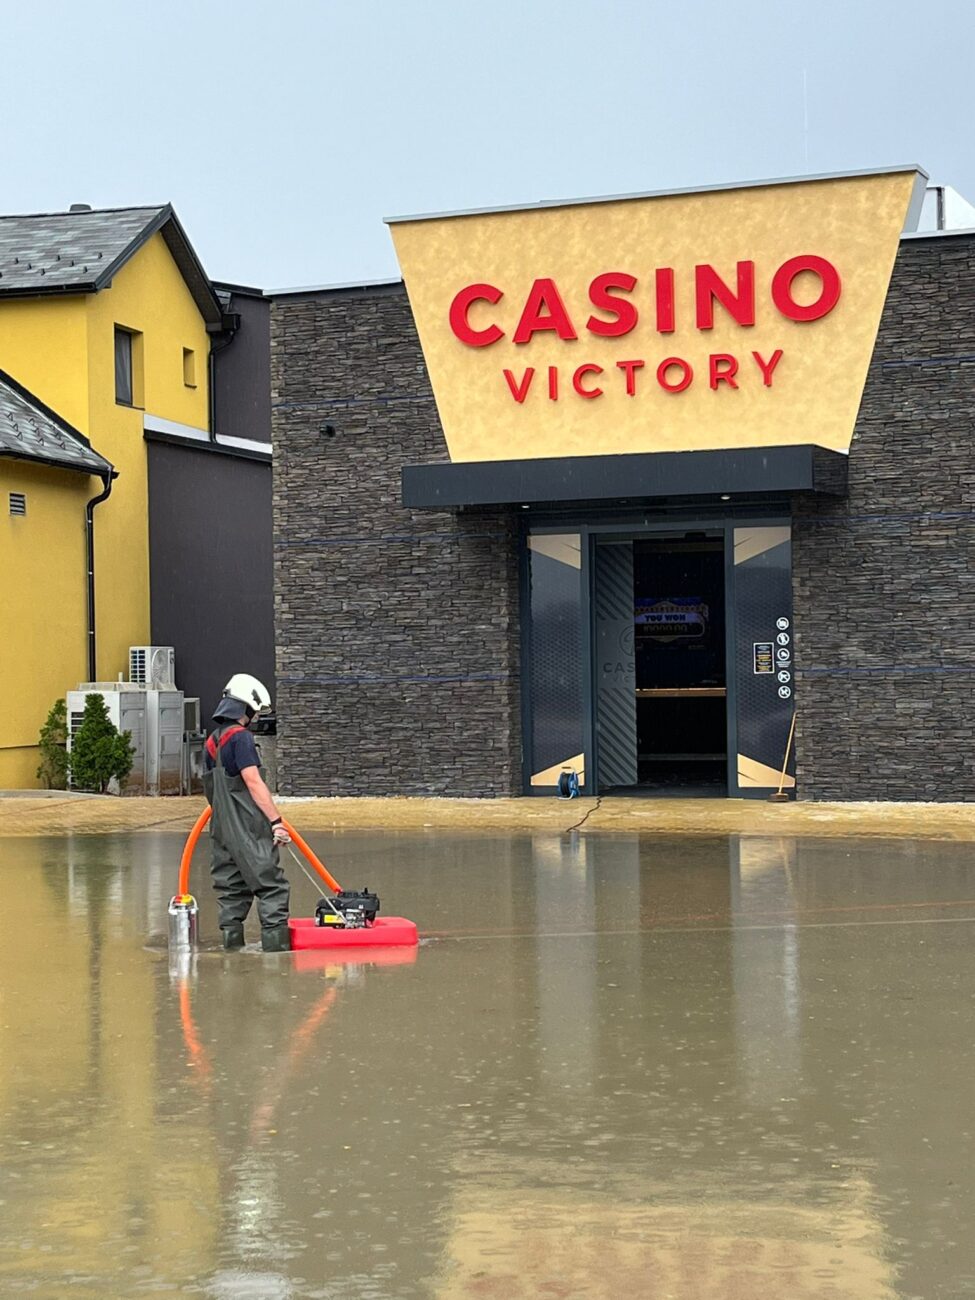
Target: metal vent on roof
18, 503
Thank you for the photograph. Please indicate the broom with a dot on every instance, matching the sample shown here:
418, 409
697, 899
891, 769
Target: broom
779, 797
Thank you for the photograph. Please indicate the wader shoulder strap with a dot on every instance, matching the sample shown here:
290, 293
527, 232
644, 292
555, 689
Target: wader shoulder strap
212, 740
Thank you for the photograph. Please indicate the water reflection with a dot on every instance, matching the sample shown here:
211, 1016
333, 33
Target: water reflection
709, 1068
765, 967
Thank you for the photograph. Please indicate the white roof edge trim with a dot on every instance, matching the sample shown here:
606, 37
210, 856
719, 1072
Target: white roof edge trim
244, 444
663, 194
156, 424
938, 234
332, 288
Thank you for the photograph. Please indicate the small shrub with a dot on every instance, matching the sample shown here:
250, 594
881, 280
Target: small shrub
52, 742
98, 751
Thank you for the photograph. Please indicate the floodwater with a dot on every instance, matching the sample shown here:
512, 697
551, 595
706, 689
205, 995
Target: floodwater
620, 1066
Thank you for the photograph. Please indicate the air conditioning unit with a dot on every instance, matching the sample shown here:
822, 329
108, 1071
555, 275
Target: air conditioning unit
127, 710
191, 713
164, 741
153, 666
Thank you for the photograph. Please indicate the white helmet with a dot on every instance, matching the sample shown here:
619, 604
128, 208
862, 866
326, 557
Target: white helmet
253, 694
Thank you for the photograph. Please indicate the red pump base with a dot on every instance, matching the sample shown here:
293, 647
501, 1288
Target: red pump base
385, 931
328, 959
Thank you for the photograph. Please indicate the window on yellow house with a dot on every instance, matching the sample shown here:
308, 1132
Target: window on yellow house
189, 367
128, 366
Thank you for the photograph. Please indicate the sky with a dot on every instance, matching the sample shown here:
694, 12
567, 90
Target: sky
283, 133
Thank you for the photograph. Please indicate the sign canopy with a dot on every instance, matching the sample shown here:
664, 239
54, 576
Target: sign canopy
716, 319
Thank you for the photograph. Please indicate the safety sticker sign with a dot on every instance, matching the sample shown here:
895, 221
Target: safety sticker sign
764, 660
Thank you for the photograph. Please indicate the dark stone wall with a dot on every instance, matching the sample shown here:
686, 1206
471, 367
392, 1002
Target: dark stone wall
884, 581
397, 630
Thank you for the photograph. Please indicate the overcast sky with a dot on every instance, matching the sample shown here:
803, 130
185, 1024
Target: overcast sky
284, 132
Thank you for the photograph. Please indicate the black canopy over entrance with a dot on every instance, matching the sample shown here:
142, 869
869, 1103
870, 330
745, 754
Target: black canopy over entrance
676, 475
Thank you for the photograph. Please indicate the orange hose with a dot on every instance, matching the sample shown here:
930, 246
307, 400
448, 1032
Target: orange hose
188, 847
311, 859
195, 1049
194, 835
301, 1039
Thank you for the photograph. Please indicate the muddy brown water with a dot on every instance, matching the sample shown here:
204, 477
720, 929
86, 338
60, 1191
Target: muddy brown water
618, 1065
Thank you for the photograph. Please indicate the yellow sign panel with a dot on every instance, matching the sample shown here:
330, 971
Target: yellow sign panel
730, 318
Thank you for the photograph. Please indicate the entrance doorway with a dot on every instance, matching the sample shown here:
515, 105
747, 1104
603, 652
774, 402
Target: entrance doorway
661, 664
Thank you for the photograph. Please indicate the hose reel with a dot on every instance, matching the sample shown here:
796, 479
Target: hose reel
568, 783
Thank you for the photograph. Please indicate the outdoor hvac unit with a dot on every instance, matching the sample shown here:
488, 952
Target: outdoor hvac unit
127, 710
153, 666
193, 742
164, 741
191, 713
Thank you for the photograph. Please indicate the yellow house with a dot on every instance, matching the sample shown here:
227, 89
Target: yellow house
106, 320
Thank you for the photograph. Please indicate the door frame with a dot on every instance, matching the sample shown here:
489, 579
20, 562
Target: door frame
725, 523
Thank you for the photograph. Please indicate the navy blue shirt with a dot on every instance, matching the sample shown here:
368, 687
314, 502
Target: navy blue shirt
239, 752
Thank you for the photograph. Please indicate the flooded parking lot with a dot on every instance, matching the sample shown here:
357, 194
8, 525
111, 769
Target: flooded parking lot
617, 1065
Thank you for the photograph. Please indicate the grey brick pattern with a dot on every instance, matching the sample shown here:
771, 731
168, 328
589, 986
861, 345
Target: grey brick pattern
397, 630
884, 581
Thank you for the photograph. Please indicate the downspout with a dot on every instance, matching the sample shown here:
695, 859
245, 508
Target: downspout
211, 378
107, 478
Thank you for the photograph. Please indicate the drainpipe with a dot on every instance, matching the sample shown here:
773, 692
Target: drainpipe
230, 332
107, 478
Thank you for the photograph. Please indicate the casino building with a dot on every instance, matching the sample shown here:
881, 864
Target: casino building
669, 491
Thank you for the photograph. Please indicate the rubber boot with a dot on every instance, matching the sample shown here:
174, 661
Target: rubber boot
276, 940
233, 935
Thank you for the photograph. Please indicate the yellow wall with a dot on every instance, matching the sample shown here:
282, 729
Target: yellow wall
43, 598
44, 346
149, 295
118, 1043
63, 351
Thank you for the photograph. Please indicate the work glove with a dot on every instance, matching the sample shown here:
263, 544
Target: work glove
281, 835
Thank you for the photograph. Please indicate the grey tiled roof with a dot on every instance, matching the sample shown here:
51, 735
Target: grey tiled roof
67, 250
80, 252
29, 430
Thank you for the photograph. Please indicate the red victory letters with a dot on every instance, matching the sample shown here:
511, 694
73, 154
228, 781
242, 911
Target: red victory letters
722, 298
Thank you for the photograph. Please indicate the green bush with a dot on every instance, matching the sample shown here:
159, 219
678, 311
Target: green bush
98, 751
52, 743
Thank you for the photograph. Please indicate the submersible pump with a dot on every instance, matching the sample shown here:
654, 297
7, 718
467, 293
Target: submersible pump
183, 921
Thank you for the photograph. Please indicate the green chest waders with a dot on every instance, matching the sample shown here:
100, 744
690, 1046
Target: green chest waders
244, 860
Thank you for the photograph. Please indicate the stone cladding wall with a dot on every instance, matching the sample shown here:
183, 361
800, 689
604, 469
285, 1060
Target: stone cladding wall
397, 630
884, 580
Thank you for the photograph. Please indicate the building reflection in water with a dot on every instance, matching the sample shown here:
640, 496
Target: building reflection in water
630, 1064
765, 966
114, 1097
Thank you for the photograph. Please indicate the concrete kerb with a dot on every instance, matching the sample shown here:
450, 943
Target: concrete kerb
23, 813
51, 794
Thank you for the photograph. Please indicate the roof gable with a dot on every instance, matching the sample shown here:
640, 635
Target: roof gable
30, 430
80, 252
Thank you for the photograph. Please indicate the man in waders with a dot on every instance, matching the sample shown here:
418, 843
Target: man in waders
246, 827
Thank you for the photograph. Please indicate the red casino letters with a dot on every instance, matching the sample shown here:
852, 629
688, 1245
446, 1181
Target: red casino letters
614, 304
